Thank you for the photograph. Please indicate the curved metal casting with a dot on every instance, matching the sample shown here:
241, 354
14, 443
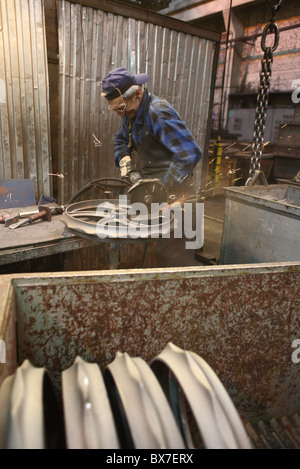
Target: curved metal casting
216, 417
88, 417
25, 421
131, 406
144, 417
111, 221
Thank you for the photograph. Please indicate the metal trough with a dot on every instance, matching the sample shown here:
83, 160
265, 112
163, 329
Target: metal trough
261, 224
243, 320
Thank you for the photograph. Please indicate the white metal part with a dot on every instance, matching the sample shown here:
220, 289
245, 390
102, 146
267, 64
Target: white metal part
217, 419
148, 414
21, 409
115, 220
88, 418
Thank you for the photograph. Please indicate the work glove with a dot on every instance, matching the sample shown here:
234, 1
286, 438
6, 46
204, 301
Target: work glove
126, 166
128, 170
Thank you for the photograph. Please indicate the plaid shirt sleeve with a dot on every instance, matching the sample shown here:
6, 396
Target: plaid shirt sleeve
173, 133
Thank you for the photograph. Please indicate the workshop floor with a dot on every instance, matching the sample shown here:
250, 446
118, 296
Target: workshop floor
173, 254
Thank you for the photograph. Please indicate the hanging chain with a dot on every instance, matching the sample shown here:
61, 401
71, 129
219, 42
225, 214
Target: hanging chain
264, 87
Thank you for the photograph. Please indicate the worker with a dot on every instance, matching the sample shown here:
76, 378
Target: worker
166, 150
150, 125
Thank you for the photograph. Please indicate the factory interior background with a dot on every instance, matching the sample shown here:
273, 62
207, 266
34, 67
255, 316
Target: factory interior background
69, 299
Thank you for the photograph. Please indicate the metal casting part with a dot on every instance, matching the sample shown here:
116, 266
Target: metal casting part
113, 220
217, 420
146, 415
88, 417
21, 409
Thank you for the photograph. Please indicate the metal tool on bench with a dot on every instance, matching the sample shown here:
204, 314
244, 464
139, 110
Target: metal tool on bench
44, 212
55, 209
15, 218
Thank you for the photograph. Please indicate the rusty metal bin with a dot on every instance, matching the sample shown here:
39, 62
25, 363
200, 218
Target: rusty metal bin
243, 320
261, 224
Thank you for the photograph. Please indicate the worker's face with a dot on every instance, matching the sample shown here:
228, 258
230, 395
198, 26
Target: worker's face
126, 107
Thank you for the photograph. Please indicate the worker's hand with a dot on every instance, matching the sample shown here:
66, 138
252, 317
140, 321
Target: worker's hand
134, 176
128, 170
126, 166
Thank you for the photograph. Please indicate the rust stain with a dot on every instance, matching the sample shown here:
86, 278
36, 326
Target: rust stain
3, 191
241, 325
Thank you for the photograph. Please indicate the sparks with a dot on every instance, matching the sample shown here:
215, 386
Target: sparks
97, 142
59, 175
229, 146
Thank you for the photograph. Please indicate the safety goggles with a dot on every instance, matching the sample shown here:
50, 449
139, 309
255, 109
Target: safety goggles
121, 109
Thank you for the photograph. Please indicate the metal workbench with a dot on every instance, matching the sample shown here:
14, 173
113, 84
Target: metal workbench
42, 239
39, 239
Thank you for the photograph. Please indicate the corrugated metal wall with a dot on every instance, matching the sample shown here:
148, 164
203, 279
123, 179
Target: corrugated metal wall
91, 43
24, 100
